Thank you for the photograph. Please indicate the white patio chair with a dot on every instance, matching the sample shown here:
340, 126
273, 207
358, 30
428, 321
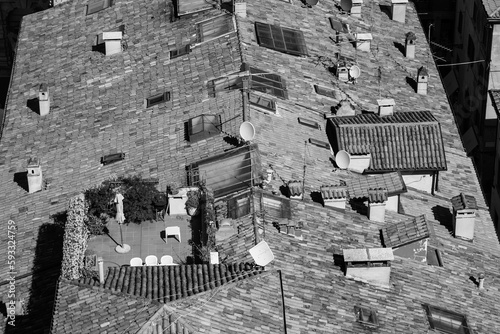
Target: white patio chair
172, 230
166, 260
136, 262
151, 260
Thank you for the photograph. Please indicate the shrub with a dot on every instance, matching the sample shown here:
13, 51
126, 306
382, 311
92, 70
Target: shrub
75, 238
139, 199
193, 200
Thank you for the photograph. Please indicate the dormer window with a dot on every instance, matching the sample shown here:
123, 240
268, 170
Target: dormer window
446, 321
95, 6
285, 40
214, 28
366, 315
203, 127
157, 99
262, 102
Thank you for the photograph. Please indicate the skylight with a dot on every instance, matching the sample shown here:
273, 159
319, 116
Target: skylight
214, 28
281, 39
203, 127
366, 315
95, 6
446, 321
157, 99
262, 102
180, 52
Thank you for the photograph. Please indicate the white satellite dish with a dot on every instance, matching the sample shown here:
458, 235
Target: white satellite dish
342, 159
311, 2
261, 253
247, 131
354, 72
346, 5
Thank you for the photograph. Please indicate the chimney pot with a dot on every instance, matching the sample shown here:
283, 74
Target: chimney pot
481, 281
410, 45
422, 81
464, 215
398, 9
377, 199
43, 99
35, 180
356, 8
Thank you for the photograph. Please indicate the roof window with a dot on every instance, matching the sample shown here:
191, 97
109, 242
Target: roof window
285, 40
95, 6
203, 127
366, 315
180, 52
262, 102
446, 321
326, 92
157, 99
214, 28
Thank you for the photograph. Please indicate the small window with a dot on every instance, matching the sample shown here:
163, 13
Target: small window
157, 99
238, 206
95, 6
446, 321
366, 316
180, 52
229, 82
325, 91
262, 102
281, 39
215, 27
268, 83
203, 127
276, 207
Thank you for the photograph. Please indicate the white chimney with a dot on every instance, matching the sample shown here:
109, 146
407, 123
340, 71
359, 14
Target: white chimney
356, 8
112, 42
377, 198
359, 162
35, 180
386, 107
372, 265
422, 81
334, 196
295, 189
481, 281
43, 99
398, 9
214, 257
464, 216
240, 8
363, 41
100, 264
410, 45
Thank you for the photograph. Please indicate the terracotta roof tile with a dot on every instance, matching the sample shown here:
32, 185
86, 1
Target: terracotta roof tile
405, 232
377, 195
393, 182
329, 192
462, 201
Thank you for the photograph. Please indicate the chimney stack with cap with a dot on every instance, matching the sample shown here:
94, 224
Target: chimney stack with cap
377, 198
464, 216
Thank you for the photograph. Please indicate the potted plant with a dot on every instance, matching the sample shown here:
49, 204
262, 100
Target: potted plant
192, 202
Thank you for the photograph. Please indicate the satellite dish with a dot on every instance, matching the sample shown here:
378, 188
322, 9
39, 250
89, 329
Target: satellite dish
342, 159
346, 5
261, 253
354, 72
311, 2
247, 131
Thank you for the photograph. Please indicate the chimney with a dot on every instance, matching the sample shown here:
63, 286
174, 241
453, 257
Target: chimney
43, 99
410, 45
34, 175
386, 107
342, 71
214, 257
481, 281
464, 215
356, 8
334, 196
112, 42
360, 158
344, 108
422, 80
398, 9
371, 264
240, 8
295, 189
377, 198
100, 264
363, 41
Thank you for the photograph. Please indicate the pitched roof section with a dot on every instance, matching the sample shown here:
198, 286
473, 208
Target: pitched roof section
393, 182
492, 8
462, 201
81, 307
168, 283
405, 232
406, 141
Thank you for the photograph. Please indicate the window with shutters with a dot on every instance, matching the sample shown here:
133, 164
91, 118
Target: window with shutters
95, 6
446, 321
281, 39
214, 28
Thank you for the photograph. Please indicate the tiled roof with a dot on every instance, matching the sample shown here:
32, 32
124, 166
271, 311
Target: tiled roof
377, 195
409, 141
495, 97
329, 192
405, 232
463, 201
492, 8
168, 283
81, 308
393, 182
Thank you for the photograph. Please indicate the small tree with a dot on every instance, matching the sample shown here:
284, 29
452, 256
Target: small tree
139, 199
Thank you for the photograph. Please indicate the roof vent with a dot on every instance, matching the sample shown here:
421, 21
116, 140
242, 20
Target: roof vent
386, 107
363, 41
334, 196
112, 42
464, 215
377, 199
43, 100
410, 45
398, 9
422, 81
371, 264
